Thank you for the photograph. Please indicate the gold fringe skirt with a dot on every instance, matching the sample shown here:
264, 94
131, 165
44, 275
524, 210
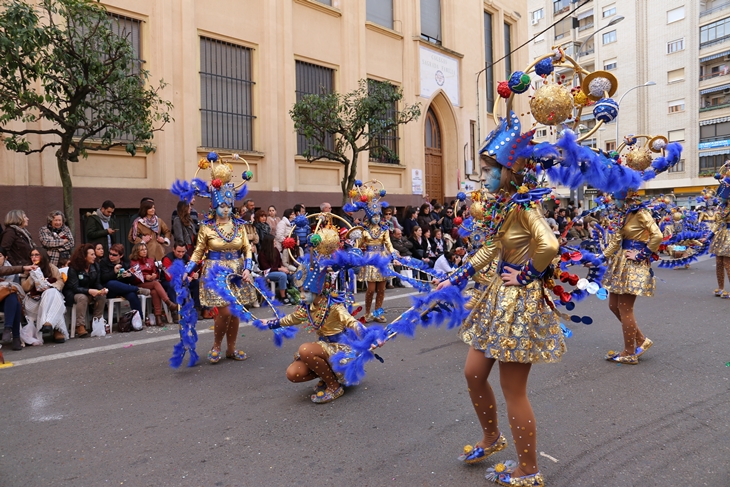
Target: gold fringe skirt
721, 243
245, 294
514, 324
625, 276
370, 273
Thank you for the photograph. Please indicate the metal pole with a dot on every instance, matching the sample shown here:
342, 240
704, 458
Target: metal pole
648, 83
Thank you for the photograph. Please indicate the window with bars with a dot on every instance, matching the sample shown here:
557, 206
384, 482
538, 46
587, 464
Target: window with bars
313, 79
431, 20
715, 131
380, 12
131, 30
386, 144
226, 95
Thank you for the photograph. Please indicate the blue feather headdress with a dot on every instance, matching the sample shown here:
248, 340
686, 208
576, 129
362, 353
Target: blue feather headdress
220, 190
366, 196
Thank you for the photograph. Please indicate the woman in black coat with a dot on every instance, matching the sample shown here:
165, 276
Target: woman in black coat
420, 246
16, 239
83, 286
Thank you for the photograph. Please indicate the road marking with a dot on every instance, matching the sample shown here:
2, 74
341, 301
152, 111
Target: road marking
144, 341
543, 454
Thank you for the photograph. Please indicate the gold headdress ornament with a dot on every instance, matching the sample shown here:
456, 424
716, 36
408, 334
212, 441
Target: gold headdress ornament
638, 157
325, 239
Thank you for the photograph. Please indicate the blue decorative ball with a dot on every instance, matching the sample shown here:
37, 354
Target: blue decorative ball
519, 82
382, 193
358, 183
461, 196
544, 67
718, 176
247, 175
606, 110
212, 157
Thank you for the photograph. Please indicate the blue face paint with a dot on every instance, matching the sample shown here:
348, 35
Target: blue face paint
493, 175
223, 211
375, 219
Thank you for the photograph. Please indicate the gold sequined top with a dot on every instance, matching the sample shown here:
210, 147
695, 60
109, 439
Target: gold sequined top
376, 244
209, 240
336, 321
722, 218
638, 226
524, 235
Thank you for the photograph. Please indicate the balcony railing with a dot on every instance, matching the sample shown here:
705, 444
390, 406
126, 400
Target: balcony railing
715, 107
586, 53
585, 27
719, 40
713, 75
715, 9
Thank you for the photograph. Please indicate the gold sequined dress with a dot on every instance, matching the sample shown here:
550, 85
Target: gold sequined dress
329, 321
516, 323
625, 276
721, 241
230, 248
375, 239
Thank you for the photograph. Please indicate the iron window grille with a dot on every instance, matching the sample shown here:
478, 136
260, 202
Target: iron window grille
313, 79
385, 145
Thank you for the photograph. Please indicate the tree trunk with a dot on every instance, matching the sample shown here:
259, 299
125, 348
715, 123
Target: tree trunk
343, 185
68, 197
348, 181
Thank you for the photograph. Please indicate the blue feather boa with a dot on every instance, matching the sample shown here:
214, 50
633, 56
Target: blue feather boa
188, 318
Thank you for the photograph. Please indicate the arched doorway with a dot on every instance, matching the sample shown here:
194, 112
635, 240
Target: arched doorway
434, 186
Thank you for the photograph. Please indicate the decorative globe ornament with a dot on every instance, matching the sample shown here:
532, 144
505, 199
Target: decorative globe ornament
606, 110
597, 83
212, 157
315, 239
658, 143
580, 99
519, 82
329, 240
630, 140
544, 67
638, 159
476, 210
247, 175
222, 172
552, 104
503, 89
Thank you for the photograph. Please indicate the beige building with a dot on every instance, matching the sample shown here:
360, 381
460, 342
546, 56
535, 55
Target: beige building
654, 42
235, 68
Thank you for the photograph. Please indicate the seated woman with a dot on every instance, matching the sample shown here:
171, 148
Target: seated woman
438, 244
99, 251
83, 287
270, 260
43, 303
145, 267
11, 305
117, 278
420, 246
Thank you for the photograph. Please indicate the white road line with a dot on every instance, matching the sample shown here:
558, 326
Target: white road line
144, 341
543, 454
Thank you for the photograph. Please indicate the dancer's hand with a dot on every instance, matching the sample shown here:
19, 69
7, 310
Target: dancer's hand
509, 276
631, 254
443, 284
246, 275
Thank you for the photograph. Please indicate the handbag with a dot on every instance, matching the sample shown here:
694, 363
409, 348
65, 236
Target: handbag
124, 325
6, 291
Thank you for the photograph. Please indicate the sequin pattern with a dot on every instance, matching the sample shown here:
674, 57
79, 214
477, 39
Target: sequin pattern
625, 276
514, 324
721, 242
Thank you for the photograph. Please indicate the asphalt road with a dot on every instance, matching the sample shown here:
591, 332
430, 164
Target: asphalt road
109, 411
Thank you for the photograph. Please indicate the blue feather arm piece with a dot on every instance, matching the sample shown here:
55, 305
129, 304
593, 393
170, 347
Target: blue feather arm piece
703, 249
419, 266
188, 319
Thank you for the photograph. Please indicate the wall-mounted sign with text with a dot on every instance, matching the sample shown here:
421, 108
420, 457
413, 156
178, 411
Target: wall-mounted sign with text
439, 72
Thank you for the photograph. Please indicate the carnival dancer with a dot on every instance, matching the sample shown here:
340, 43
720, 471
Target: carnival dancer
721, 241
375, 239
221, 240
512, 321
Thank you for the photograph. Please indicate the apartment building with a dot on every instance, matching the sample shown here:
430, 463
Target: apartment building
670, 59
235, 68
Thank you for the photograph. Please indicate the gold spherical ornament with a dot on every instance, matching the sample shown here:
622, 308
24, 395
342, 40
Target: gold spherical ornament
222, 172
476, 210
580, 99
676, 216
330, 240
638, 159
552, 104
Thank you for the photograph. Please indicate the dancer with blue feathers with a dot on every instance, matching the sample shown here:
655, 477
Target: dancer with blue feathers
222, 240
721, 228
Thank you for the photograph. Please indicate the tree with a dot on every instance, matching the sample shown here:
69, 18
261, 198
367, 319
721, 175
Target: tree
69, 78
339, 127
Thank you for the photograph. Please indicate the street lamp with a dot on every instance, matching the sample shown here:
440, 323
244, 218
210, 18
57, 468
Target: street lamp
614, 21
648, 83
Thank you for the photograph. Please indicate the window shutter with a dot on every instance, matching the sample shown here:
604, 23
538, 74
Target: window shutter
380, 12
431, 19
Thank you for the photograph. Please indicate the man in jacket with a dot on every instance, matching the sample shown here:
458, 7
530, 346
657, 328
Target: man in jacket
101, 226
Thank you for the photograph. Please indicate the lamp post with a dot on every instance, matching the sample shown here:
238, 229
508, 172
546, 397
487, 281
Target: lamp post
648, 83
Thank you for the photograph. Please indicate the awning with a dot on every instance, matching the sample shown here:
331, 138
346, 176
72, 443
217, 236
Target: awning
713, 121
718, 152
715, 89
583, 15
714, 56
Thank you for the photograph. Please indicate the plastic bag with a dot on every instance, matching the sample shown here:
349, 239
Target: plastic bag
406, 273
137, 321
41, 284
98, 327
29, 334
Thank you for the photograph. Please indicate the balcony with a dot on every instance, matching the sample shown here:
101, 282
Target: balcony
713, 7
718, 106
714, 42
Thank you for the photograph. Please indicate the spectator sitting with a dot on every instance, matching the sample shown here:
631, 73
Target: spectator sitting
144, 267
262, 228
325, 208
402, 245
57, 238
391, 220
426, 218
447, 222
247, 210
99, 251
445, 263
283, 229
44, 304
271, 265
101, 226
577, 231
272, 219
83, 286
430, 251
149, 229
179, 252
420, 246
16, 239
11, 306
183, 227
438, 244
119, 281
409, 221
193, 216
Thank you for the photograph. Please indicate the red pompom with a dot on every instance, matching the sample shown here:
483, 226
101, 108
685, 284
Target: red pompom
503, 89
364, 198
216, 183
458, 221
288, 243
